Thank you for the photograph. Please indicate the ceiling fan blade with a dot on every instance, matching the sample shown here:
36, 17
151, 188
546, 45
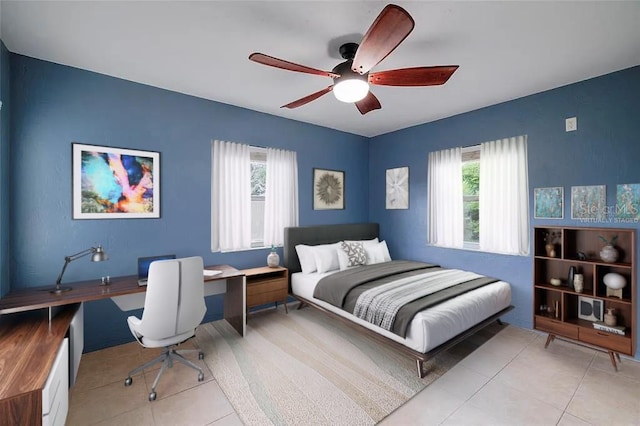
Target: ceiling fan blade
419, 76
309, 98
369, 103
385, 34
286, 65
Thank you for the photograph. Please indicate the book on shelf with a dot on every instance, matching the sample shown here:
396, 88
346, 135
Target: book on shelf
616, 329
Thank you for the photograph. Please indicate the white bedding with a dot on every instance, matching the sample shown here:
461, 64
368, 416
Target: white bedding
429, 328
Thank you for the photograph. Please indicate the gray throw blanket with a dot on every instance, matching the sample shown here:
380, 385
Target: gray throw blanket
343, 289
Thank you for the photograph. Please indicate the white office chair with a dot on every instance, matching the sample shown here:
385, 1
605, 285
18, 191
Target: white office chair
173, 308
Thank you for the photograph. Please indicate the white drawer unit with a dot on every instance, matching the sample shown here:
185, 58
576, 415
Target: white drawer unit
55, 394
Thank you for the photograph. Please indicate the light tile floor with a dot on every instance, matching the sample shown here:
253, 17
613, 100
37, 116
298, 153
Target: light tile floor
513, 380
510, 380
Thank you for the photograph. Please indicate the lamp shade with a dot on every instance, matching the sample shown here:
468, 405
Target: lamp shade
99, 255
351, 90
614, 281
350, 86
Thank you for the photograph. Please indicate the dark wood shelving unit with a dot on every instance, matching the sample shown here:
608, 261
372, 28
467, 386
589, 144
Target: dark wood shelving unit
566, 323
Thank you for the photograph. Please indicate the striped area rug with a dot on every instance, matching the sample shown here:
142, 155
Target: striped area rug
307, 368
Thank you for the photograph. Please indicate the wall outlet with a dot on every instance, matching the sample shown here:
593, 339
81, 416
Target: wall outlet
571, 124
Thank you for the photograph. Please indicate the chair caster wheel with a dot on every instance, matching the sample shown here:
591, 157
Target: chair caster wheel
200, 355
152, 396
200, 377
128, 381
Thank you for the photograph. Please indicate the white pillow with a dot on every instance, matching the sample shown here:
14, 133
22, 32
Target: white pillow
377, 253
326, 257
307, 258
343, 259
385, 251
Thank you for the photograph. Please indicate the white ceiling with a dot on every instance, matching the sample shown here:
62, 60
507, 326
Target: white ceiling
505, 50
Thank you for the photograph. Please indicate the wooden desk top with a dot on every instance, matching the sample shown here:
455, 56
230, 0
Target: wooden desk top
29, 347
84, 291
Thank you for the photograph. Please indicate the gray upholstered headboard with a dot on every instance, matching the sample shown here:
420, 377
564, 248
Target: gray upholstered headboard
323, 234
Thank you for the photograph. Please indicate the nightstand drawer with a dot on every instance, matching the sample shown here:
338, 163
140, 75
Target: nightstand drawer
264, 298
267, 286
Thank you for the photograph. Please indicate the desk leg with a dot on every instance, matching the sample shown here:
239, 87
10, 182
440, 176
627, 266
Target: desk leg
235, 303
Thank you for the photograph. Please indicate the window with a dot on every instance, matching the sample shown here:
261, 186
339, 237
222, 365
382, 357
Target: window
254, 196
471, 195
478, 197
258, 190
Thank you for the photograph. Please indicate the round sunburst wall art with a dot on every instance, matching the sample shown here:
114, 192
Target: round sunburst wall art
328, 189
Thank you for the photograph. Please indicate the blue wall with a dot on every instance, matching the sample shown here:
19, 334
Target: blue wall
604, 150
55, 105
5, 141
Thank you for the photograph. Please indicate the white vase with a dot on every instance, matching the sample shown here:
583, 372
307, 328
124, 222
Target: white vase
609, 254
578, 283
273, 260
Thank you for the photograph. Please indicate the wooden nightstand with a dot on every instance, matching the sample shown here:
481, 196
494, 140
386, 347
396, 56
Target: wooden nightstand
267, 285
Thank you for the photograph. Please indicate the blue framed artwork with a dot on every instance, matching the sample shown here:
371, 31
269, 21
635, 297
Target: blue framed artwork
589, 202
548, 203
628, 201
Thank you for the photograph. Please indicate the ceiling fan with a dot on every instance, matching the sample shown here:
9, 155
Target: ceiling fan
351, 79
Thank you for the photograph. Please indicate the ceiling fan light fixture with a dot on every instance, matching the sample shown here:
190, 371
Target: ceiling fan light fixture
351, 90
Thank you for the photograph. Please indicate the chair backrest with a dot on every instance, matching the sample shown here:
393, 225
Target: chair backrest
174, 302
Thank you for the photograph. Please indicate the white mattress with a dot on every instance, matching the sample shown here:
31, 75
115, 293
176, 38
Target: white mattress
429, 328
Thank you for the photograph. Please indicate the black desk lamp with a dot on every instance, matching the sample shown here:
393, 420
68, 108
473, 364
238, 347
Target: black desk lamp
98, 256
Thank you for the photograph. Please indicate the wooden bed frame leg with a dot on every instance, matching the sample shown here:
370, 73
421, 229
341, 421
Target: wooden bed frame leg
421, 373
550, 339
301, 305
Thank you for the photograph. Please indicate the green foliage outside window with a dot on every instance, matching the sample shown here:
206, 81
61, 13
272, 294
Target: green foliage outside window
471, 204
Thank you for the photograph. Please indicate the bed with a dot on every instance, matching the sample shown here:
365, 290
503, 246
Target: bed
427, 332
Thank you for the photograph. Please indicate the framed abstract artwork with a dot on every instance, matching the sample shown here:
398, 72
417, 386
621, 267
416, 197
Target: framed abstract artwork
548, 203
628, 202
397, 190
115, 183
328, 189
588, 202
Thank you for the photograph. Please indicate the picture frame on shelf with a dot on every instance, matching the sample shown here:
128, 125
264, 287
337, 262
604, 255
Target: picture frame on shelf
114, 183
328, 189
548, 203
590, 309
397, 189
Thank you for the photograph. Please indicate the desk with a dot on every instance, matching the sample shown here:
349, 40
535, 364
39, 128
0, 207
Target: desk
85, 291
29, 338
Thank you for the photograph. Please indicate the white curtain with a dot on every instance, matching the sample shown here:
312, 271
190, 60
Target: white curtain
230, 197
504, 196
446, 227
281, 195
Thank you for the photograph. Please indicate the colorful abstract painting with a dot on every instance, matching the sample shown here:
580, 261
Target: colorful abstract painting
589, 202
628, 201
548, 203
112, 183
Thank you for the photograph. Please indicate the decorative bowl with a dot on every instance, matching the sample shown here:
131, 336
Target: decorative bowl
555, 281
614, 281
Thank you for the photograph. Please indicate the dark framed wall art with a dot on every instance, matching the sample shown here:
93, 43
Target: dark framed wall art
115, 183
328, 189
